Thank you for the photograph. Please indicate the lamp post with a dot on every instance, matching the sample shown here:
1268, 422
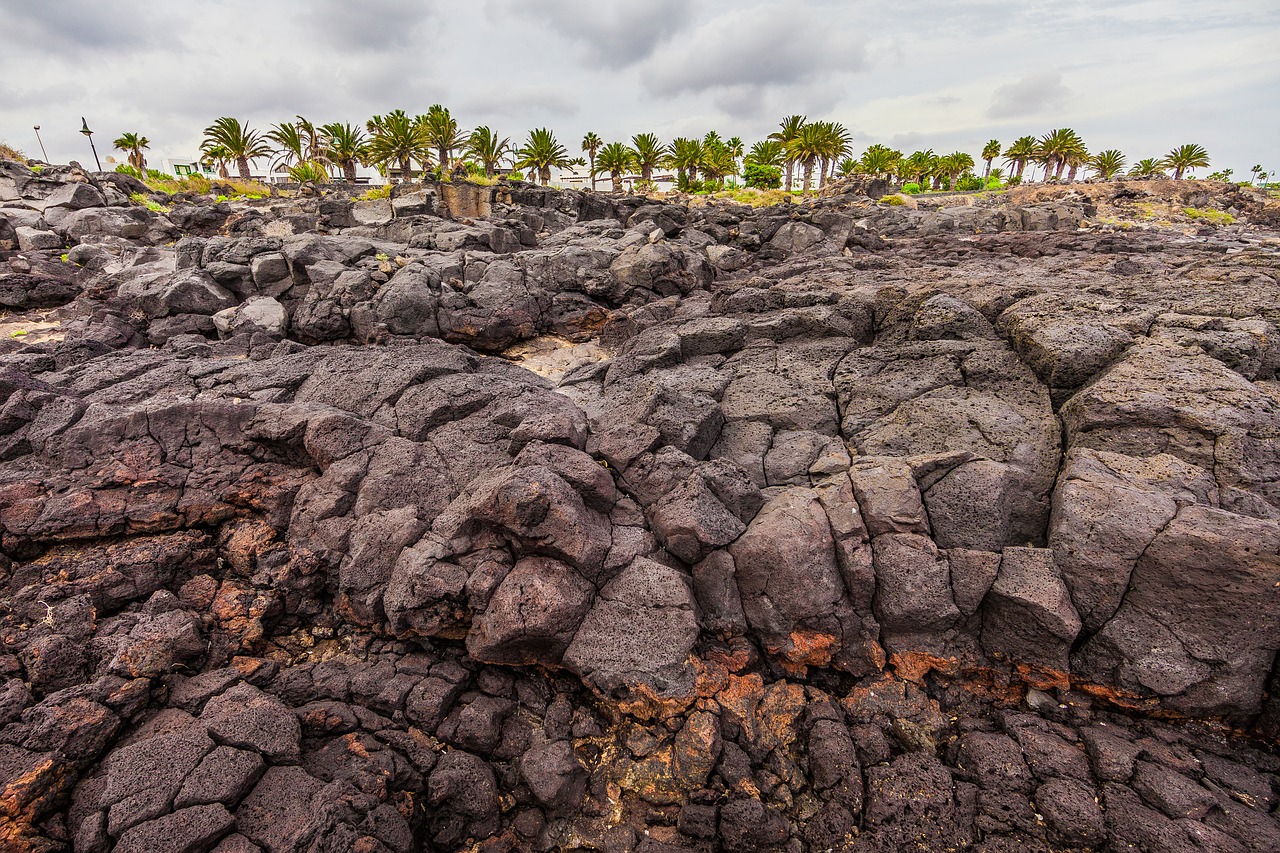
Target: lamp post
84, 128
41, 141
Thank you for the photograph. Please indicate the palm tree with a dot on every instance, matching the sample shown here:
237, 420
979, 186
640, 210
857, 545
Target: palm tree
1019, 152
717, 160
287, 138
343, 145
953, 166
1149, 167
485, 146
1056, 147
440, 130
835, 144
918, 167
614, 158
1077, 156
241, 142
541, 151
806, 148
766, 152
134, 143
685, 155
397, 140
878, 160
649, 153
788, 130
1107, 163
219, 156
1185, 158
591, 144
990, 151
847, 167
1255, 172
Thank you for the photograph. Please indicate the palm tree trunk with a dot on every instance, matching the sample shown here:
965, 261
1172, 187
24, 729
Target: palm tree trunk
1177, 174
544, 175
1071, 174
822, 174
616, 179
405, 170
349, 171
242, 164
790, 172
808, 174
593, 171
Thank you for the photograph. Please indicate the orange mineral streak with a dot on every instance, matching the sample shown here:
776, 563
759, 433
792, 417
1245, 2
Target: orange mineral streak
914, 666
26, 798
804, 649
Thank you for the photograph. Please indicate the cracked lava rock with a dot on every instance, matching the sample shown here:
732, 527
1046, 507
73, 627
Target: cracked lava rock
855, 527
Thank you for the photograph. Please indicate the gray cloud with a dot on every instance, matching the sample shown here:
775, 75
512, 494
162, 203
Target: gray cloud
1033, 94
759, 47
507, 102
1142, 79
372, 26
615, 35
78, 24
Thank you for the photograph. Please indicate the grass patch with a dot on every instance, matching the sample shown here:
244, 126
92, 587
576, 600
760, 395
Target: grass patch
8, 152
754, 197
1213, 217
139, 198
201, 185
893, 201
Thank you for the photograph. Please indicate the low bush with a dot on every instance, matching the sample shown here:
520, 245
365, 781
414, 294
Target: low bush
383, 191
968, 183
762, 177
912, 188
893, 200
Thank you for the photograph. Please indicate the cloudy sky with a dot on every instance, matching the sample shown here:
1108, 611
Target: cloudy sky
1139, 76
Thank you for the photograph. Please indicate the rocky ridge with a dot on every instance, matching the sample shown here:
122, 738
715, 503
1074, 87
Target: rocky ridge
830, 526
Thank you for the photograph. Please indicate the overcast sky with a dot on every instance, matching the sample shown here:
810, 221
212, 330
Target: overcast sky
1139, 76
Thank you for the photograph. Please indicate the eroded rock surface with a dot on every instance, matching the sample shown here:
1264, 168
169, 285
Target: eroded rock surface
834, 526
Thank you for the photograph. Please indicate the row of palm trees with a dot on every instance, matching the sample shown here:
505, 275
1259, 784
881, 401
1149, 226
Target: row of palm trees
1061, 153
397, 142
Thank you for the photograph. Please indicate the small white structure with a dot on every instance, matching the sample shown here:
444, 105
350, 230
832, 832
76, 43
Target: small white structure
185, 167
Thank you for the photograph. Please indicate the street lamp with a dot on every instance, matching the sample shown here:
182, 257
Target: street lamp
41, 141
84, 128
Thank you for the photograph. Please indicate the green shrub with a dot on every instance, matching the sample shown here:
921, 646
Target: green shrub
893, 201
762, 177
126, 169
968, 182
993, 183
308, 170
912, 188
372, 193
139, 198
1013, 181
